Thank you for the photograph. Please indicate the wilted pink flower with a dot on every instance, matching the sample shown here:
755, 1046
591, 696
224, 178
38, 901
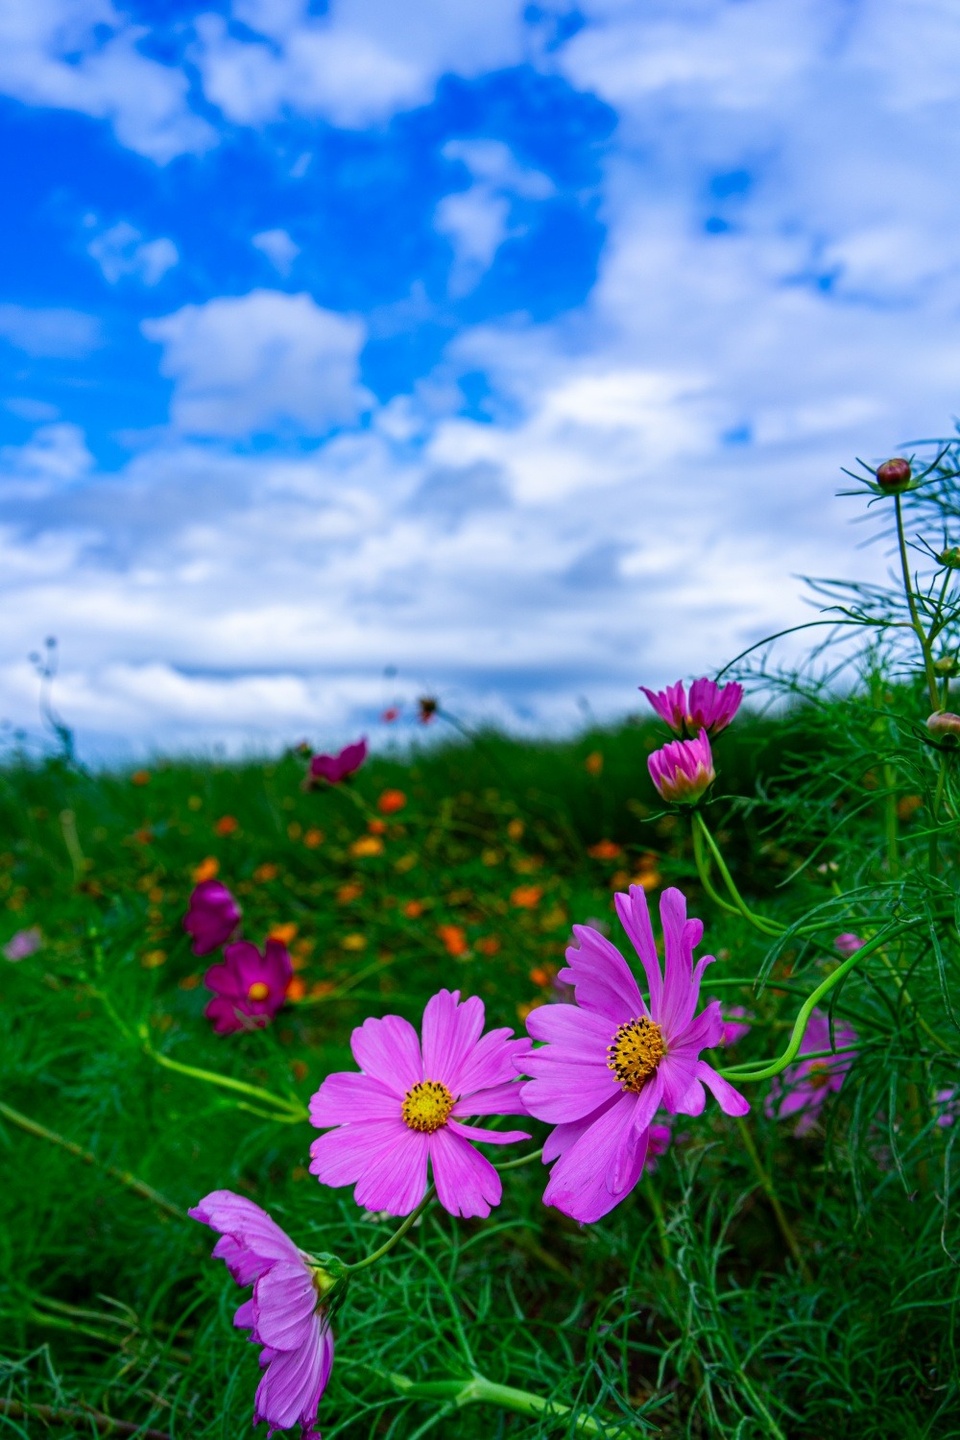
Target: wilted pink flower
334, 768
408, 1105
24, 943
848, 943
709, 706
736, 1024
212, 916
285, 1314
683, 769
611, 1061
802, 1088
249, 986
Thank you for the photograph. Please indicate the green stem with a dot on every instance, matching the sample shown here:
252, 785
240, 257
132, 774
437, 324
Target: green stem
933, 857
918, 629
294, 1109
767, 1186
746, 1073
480, 1391
523, 1160
146, 1192
397, 1235
768, 927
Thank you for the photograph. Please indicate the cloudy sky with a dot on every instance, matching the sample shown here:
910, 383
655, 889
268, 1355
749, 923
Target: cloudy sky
505, 351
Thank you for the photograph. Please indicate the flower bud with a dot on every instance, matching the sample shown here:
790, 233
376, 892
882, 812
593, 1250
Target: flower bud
943, 723
947, 665
950, 557
894, 476
683, 770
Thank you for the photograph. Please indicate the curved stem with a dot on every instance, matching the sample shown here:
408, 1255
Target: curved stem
294, 1108
523, 1160
397, 1235
917, 623
479, 1390
768, 927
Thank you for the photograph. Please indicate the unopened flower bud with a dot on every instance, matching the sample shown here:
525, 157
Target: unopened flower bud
950, 557
894, 475
683, 770
943, 723
947, 665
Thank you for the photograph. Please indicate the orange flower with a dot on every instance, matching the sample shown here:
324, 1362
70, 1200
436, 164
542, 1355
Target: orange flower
413, 909
526, 897
367, 845
140, 777
350, 891
391, 801
354, 942
320, 988
515, 829
313, 838
605, 850
541, 975
488, 945
284, 933
300, 1069
189, 982
206, 870
453, 939
907, 804
227, 825
377, 827
143, 836
266, 872
648, 879
295, 988
153, 959
594, 762
300, 953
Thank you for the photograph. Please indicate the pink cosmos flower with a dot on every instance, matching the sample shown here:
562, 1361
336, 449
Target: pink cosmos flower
23, 944
658, 1142
683, 769
736, 1024
286, 1313
848, 943
709, 706
335, 768
408, 1104
212, 916
802, 1088
249, 987
611, 1060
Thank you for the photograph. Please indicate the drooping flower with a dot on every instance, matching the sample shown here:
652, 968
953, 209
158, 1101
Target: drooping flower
335, 768
708, 706
212, 916
611, 1060
23, 944
249, 986
848, 943
286, 1313
802, 1088
408, 1104
683, 769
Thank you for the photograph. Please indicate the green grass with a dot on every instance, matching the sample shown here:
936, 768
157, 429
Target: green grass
682, 1314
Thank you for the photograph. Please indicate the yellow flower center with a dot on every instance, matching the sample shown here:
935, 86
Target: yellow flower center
427, 1106
635, 1052
259, 990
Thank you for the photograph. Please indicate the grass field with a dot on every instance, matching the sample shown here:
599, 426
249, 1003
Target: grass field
756, 1283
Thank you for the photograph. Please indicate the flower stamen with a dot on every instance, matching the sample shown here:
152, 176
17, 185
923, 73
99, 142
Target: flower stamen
635, 1052
259, 990
427, 1106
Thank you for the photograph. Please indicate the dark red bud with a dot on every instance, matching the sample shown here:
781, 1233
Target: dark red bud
894, 475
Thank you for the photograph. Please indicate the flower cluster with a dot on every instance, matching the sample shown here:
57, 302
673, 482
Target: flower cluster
249, 985
683, 770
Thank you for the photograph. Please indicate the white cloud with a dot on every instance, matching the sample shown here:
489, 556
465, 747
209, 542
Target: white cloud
67, 334
121, 252
83, 55
478, 220
56, 455
263, 361
279, 247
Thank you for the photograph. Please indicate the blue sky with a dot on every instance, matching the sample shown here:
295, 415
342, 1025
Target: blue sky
505, 351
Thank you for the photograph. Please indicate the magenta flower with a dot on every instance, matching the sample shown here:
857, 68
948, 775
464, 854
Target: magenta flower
736, 1024
946, 1101
802, 1088
658, 1142
683, 769
709, 706
286, 1313
249, 987
408, 1105
611, 1060
23, 944
848, 943
212, 916
334, 768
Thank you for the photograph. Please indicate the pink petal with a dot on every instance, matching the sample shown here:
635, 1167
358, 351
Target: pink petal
285, 1301
344, 1155
583, 1035
561, 1137
498, 1100
251, 1240
450, 1032
485, 1137
602, 978
389, 1050
677, 1071
222, 979
495, 1058
731, 1102
398, 1182
347, 1097
563, 1092
246, 1316
580, 1182
635, 919
294, 1381
224, 1016
467, 1184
